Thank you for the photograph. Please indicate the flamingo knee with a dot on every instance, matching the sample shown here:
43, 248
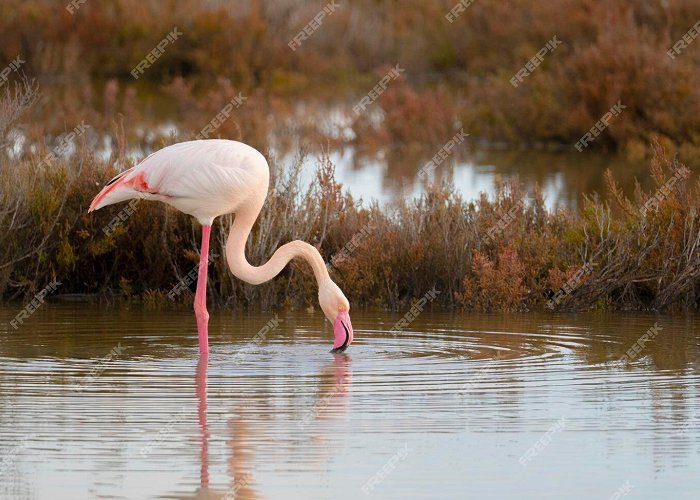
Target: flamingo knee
202, 315
200, 311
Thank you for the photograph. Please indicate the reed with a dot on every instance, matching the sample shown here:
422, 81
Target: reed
508, 253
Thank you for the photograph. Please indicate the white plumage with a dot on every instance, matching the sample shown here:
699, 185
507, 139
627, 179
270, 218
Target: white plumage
215, 177
204, 178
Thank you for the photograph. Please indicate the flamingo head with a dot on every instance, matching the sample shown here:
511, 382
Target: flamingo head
337, 309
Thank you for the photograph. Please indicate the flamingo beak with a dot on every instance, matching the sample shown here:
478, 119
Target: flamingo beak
342, 329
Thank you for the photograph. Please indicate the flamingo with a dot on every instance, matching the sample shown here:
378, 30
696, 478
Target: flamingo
209, 178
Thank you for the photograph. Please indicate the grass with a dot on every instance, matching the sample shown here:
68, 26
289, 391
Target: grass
504, 254
509, 253
456, 74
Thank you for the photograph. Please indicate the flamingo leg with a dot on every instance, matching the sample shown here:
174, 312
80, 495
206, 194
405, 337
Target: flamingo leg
200, 298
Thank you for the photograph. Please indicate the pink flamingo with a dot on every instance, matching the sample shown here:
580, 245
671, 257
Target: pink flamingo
215, 177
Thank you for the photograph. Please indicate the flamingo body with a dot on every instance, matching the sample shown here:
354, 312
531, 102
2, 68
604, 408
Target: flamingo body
209, 178
204, 178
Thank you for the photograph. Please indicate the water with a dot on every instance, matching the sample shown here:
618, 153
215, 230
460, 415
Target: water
564, 177
99, 402
390, 172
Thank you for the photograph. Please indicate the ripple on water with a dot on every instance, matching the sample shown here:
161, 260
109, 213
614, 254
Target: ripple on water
118, 403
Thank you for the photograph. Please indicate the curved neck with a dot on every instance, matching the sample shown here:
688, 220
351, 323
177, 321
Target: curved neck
235, 253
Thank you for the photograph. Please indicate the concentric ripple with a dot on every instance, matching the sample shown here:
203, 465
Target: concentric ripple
116, 403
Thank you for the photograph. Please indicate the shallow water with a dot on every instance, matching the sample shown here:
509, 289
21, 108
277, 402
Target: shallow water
98, 402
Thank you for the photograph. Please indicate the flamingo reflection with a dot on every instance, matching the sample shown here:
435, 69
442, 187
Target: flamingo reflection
241, 477
331, 402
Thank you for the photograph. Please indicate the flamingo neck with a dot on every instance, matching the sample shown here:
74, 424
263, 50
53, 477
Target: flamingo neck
242, 269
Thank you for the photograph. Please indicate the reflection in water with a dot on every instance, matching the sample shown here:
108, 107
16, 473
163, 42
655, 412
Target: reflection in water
332, 399
241, 477
464, 395
391, 172
201, 384
564, 177
323, 122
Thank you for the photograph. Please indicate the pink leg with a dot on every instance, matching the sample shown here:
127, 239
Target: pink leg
200, 299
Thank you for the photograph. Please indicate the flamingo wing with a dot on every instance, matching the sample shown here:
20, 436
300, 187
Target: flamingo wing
202, 178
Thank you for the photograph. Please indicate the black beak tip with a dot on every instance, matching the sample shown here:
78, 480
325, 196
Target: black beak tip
345, 344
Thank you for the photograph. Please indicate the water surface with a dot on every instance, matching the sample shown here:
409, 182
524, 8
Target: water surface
384, 173
100, 402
